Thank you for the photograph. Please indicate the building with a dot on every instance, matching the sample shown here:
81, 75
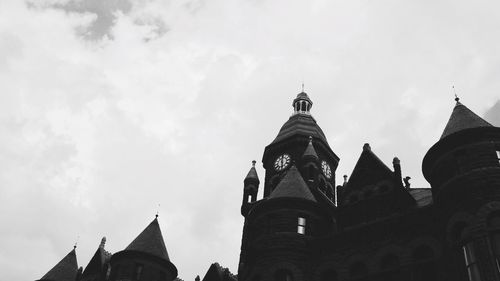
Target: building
373, 226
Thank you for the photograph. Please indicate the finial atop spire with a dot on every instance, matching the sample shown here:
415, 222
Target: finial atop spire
345, 180
302, 86
457, 99
76, 242
253, 163
157, 211
103, 242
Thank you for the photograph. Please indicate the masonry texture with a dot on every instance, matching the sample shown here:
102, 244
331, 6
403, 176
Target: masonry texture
372, 226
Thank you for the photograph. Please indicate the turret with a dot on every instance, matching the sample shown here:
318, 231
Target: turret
467, 150
146, 256
463, 168
250, 189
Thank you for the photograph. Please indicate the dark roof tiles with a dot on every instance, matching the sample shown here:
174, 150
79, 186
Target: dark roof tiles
300, 124
150, 241
292, 185
65, 270
463, 118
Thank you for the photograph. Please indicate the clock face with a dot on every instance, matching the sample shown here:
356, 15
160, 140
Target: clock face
327, 171
282, 162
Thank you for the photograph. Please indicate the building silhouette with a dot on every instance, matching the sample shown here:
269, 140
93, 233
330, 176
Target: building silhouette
372, 226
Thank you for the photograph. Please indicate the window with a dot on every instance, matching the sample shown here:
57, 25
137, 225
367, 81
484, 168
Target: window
138, 271
498, 156
301, 226
471, 262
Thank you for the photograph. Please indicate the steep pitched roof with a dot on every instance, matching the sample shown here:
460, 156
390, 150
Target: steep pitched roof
463, 118
218, 273
97, 261
368, 169
150, 241
292, 185
310, 151
65, 270
252, 174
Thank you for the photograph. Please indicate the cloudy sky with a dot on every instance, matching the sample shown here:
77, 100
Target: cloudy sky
109, 108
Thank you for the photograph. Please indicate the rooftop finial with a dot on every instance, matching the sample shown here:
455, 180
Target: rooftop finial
457, 99
310, 138
76, 242
103, 242
302, 86
157, 211
345, 179
253, 163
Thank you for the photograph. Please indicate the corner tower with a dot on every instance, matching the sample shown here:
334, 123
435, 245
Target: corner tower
301, 141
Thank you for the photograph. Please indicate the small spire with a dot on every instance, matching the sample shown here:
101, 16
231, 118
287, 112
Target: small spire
457, 99
310, 152
345, 179
253, 163
302, 86
103, 242
76, 242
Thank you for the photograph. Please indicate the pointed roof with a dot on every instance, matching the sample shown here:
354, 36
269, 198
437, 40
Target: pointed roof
97, 261
310, 151
218, 273
368, 169
463, 118
150, 241
292, 185
252, 174
65, 270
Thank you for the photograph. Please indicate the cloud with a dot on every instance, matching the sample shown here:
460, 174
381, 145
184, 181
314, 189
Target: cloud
109, 108
492, 115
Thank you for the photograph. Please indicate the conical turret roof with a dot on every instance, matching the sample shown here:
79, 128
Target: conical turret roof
252, 174
292, 185
463, 118
65, 270
310, 152
150, 241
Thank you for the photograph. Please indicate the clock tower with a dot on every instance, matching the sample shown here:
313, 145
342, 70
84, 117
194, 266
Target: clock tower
302, 143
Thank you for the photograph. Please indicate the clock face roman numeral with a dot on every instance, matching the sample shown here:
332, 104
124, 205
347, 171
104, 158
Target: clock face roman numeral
327, 171
282, 162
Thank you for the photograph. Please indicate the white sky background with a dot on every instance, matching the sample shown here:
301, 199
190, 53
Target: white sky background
108, 108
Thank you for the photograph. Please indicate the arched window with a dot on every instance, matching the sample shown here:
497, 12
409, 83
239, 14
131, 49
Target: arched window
471, 261
424, 267
283, 275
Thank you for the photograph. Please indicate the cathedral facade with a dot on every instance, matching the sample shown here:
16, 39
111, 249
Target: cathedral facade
372, 226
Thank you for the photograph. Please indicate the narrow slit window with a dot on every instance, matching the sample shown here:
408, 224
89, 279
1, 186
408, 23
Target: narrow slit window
498, 156
471, 262
138, 271
301, 225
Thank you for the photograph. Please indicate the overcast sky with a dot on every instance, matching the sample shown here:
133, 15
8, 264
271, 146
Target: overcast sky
109, 108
